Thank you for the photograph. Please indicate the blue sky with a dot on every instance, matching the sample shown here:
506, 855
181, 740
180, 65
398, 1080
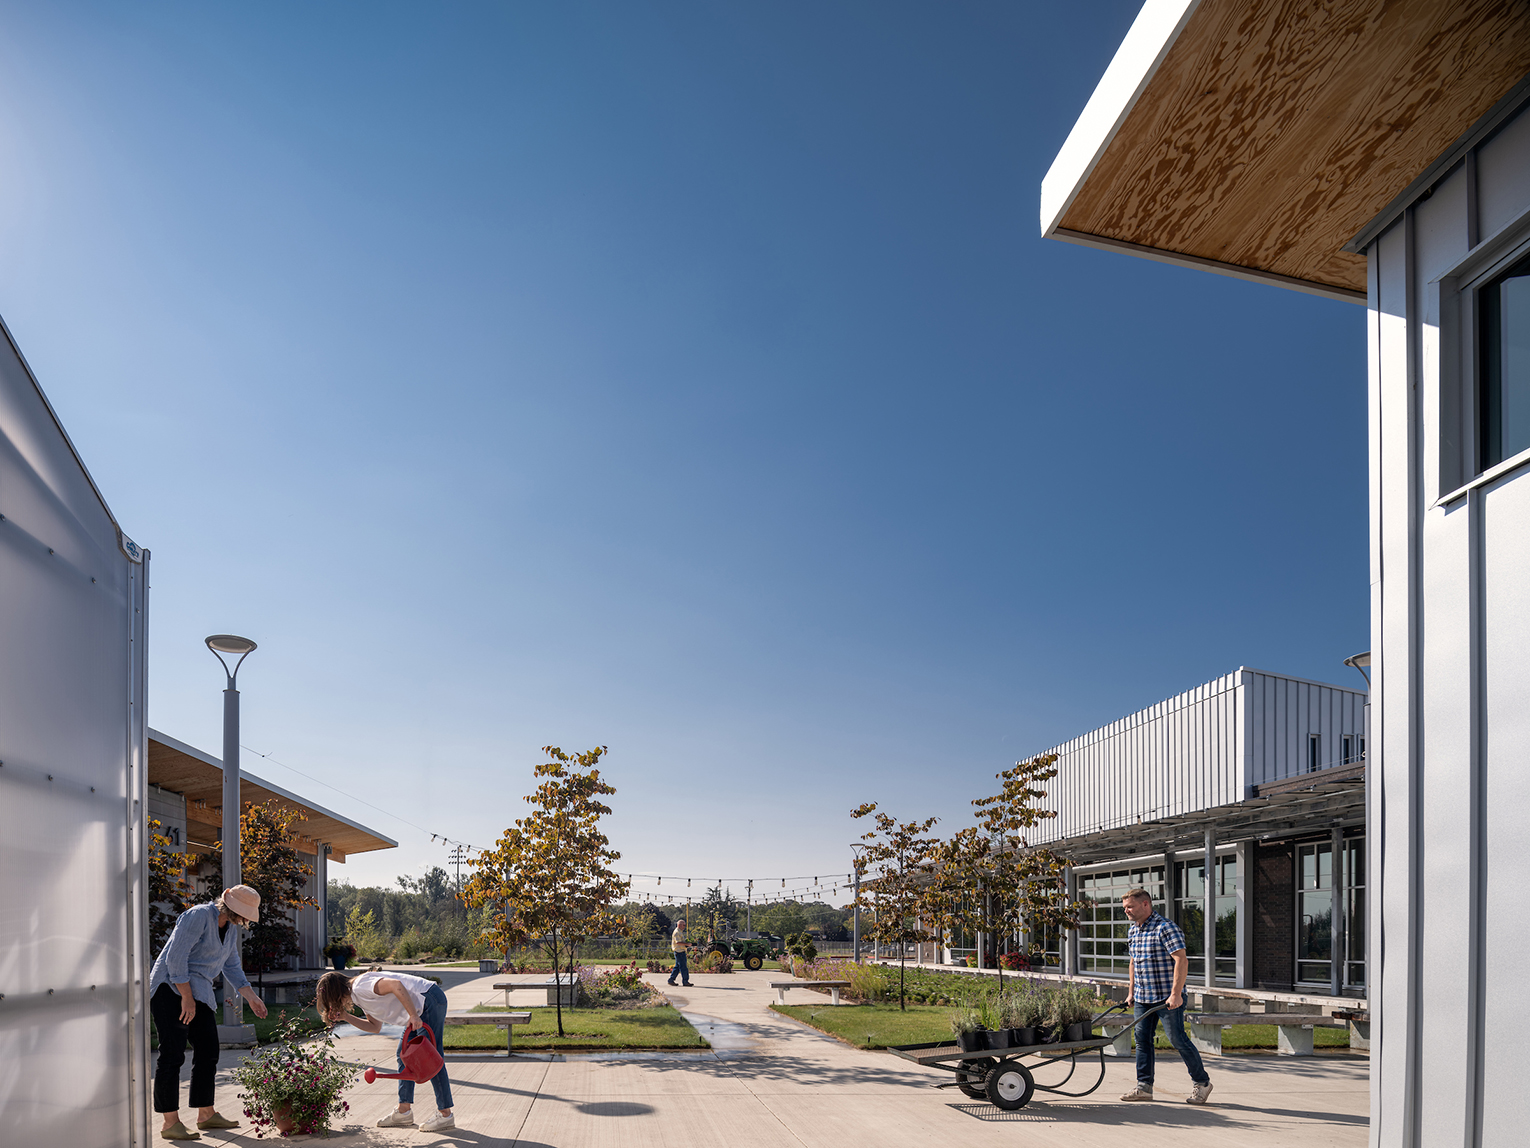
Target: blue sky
685, 378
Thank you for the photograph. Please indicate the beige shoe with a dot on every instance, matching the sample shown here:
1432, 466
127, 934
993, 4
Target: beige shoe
1199, 1093
439, 1123
397, 1119
216, 1121
179, 1131
1141, 1092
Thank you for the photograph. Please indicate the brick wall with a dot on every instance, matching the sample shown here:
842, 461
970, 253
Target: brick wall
1274, 907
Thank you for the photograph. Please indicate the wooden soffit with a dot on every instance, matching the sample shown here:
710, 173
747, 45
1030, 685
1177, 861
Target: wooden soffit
1257, 137
179, 768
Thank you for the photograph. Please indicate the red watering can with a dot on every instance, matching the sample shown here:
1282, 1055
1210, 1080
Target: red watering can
421, 1061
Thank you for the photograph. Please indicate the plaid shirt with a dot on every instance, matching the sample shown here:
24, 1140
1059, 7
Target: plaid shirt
1150, 945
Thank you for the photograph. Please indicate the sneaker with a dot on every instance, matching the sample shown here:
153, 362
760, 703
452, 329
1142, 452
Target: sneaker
685, 984
1199, 1093
438, 1123
397, 1119
1141, 1092
671, 984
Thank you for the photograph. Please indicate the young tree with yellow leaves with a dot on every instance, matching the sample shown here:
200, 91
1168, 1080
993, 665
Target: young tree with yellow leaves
548, 875
896, 861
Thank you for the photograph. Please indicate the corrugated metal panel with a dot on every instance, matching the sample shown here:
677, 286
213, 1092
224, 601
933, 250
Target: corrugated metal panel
1198, 750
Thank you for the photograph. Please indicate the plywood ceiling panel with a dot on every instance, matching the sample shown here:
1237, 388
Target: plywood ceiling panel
1274, 130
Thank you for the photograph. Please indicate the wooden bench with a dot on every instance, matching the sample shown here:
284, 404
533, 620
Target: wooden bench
1293, 1030
832, 986
504, 1020
550, 986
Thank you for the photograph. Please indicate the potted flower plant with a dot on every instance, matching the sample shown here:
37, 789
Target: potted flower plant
340, 953
294, 1085
967, 1027
1023, 1014
991, 1011
1080, 1003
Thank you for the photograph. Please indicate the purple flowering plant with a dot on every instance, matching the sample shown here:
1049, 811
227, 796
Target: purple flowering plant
298, 1078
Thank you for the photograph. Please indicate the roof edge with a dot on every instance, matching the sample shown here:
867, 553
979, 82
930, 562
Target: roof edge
280, 791
1201, 263
1136, 61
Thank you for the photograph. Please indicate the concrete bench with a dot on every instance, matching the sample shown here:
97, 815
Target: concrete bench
1359, 1021
832, 986
550, 986
504, 1020
1293, 1029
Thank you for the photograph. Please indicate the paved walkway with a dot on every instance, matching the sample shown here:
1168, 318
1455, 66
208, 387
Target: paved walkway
771, 1082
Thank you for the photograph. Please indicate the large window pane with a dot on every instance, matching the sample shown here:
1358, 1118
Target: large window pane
1504, 310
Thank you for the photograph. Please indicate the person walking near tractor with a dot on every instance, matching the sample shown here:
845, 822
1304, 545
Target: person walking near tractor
1156, 985
679, 946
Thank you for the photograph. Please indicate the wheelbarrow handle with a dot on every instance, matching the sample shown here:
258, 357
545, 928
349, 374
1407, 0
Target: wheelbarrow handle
1123, 1006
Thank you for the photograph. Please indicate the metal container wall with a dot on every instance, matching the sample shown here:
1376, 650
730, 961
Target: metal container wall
73, 908
1199, 750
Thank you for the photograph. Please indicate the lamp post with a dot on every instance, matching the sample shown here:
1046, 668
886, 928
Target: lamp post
220, 645
855, 906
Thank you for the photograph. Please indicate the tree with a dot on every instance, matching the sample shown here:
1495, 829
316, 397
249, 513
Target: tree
896, 858
272, 867
170, 893
548, 875
782, 919
436, 886
989, 878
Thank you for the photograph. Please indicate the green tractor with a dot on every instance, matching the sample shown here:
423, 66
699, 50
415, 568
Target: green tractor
752, 950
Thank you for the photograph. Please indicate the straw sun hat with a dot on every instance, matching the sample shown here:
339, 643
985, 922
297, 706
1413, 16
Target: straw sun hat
242, 901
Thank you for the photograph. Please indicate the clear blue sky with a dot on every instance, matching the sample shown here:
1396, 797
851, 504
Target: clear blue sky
686, 378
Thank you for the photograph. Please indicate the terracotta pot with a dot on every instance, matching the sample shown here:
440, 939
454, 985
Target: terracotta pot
283, 1119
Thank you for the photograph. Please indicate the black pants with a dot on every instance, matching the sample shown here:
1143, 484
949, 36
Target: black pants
165, 1006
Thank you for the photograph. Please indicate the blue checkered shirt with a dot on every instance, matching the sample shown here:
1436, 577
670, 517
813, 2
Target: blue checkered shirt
1150, 945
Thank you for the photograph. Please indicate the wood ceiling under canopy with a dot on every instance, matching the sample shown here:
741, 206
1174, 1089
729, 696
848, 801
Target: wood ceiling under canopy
179, 768
1262, 135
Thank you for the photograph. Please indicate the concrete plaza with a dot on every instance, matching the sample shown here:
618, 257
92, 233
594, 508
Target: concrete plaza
770, 1081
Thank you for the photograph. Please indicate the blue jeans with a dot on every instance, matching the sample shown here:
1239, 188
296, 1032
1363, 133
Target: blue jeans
434, 1016
1174, 1029
681, 969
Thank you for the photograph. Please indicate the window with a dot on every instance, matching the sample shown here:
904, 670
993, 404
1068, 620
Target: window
1314, 912
1354, 749
1503, 310
1102, 925
1314, 755
1189, 913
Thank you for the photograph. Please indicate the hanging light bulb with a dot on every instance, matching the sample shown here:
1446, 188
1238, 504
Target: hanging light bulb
687, 882
661, 880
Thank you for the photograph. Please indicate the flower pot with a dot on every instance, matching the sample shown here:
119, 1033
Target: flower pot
1075, 1032
338, 960
971, 1041
282, 1118
1045, 1034
1020, 1037
1000, 1038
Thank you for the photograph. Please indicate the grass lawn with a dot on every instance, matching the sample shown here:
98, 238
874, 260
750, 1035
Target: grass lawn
645, 1028
879, 1025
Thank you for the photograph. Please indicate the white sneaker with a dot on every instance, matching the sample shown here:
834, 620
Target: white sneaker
438, 1123
1141, 1092
397, 1119
1199, 1093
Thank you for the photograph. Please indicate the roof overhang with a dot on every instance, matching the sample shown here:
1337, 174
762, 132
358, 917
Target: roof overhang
1258, 138
180, 768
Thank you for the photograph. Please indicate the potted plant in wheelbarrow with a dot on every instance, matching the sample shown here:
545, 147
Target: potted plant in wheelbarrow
1022, 1012
992, 1012
294, 1086
1077, 1010
968, 1029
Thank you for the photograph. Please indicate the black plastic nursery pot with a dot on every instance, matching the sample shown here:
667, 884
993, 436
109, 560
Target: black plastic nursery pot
974, 1041
1074, 1032
1020, 1037
1000, 1038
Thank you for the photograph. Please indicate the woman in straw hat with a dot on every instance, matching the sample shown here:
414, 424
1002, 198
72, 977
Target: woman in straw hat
204, 943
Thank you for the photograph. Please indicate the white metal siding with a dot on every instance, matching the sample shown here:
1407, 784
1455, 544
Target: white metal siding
73, 1029
1198, 750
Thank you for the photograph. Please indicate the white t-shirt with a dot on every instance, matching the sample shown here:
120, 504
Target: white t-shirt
385, 1006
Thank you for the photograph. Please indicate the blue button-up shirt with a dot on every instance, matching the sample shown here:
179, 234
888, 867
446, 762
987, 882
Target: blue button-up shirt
1152, 945
197, 954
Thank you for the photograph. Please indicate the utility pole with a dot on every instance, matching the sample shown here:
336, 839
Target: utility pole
459, 854
749, 906
855, 912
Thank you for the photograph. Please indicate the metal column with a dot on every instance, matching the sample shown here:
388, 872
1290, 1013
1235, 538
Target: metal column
1337, 923
1069, 939
1211, 907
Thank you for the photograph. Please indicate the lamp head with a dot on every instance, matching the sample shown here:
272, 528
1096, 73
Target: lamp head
1359, 662
221, 644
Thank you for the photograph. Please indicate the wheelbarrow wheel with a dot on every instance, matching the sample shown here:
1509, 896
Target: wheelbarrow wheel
972, 1078
1009, 1085
754, 962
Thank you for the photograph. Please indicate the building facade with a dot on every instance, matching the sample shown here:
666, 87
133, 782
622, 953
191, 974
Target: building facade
1264, 774
1380, 152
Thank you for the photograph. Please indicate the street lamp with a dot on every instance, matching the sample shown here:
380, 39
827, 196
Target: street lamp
221, 644
1359, 662
855, 906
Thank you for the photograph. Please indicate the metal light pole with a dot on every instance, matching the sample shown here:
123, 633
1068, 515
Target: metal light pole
221, 644
855, 911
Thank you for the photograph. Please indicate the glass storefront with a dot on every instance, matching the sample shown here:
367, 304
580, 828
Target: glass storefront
1102, 925
1189, 913
1315, 911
